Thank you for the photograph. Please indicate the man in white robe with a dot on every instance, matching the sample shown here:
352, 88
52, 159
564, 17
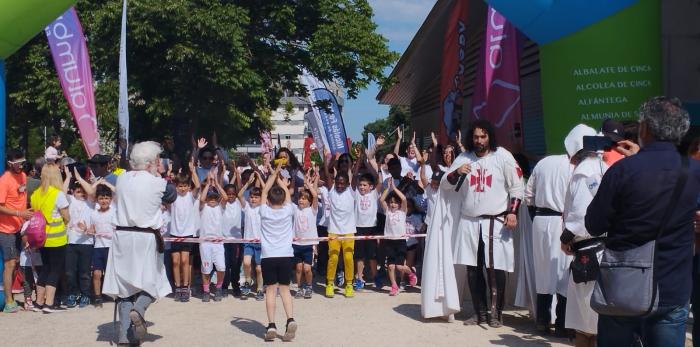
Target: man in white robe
479, 196
135, 274
583, 186
546, 191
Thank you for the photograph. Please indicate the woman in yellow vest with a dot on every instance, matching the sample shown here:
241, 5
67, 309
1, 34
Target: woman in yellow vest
51, 200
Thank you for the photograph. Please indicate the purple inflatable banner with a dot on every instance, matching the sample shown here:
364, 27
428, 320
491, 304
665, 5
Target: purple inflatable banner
70, 56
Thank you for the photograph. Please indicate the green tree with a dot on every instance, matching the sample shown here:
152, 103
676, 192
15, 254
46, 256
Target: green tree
399, 116
196, 66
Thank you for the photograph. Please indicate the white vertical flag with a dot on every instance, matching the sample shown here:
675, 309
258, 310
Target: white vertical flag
123, 90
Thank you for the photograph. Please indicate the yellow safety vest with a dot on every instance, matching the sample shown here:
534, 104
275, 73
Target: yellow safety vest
55, 228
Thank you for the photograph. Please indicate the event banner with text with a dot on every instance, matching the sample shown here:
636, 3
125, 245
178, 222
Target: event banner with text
603, 71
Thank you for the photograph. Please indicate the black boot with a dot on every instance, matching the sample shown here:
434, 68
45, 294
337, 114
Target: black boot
544, 316
477, 288
496, 320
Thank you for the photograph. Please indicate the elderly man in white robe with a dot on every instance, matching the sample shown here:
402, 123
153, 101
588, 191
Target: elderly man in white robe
546, 191
135, 274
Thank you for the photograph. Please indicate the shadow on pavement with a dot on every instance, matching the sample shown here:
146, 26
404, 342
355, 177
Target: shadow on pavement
107, 332
248, 326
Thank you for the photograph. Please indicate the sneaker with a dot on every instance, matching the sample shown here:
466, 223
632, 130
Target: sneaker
271, 333
138, 325
38, 308
349, 292
330, 291
185, 295
308, 292
358, 284
291, 330
340, 279
245, 290
260, 296
98, 302
402, 286
206, 296
394, 291
84, 301
412, 279
71, 301
53, 309
12, 307
299, 293
178, 294
378, 284
28, 304
218, 294
237, 292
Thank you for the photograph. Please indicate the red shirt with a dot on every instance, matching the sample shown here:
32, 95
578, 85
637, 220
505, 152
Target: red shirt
13, 195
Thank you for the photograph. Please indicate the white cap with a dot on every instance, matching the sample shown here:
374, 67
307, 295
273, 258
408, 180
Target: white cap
574, 141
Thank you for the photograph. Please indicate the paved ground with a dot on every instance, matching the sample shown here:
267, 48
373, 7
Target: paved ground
371, 318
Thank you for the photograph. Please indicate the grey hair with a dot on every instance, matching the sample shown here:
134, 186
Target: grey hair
666, 119
144, 153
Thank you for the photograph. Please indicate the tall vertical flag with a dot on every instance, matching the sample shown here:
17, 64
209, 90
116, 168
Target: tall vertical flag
497, 87
314, 117
453, 71
123, 112
70, 56
331, 121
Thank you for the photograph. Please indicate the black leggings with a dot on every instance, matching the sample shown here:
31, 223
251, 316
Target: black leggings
54, 260
477, 283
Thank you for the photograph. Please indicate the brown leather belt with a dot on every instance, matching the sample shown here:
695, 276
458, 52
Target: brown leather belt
160, 244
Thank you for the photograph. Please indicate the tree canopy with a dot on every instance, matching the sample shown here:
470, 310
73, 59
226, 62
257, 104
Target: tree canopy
399, 116
196, 66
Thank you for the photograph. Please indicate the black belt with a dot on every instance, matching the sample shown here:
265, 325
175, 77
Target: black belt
160, 244
546, 212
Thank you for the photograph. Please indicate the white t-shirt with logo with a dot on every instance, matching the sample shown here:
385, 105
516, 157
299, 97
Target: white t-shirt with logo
212, 221
104, 227
305, 225
277, 231
366, 209
252, 222
80, 211
395, 223
342, 216
232, 220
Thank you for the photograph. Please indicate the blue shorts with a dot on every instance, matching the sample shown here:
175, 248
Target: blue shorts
254, 250
303, 254
99, 258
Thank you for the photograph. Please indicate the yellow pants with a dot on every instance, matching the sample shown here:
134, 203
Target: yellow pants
348, 247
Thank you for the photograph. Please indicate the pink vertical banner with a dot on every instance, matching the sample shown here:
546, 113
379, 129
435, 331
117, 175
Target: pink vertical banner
497, 87
70, 56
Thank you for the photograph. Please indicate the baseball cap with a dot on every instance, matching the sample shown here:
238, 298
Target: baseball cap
613, 129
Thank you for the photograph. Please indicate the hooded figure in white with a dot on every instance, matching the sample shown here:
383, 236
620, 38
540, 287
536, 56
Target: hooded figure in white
585, 180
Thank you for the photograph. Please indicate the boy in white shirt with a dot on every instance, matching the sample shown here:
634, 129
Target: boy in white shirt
277, 233
322, 221
232, 228
366, 207
101, 224
211, 205
305, 213
251, 251
395, 206
184, 214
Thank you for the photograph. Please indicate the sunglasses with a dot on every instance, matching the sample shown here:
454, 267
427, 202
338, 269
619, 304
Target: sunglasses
16, 162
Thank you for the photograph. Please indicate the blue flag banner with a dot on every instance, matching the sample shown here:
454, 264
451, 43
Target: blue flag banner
331, 120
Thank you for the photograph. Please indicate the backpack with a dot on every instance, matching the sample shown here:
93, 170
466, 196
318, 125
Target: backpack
36, 231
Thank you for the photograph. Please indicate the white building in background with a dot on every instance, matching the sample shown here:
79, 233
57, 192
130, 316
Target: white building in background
288, 124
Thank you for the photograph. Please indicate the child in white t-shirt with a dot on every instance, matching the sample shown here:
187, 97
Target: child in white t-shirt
414, 225
30, 264
322, 221
212, 255
305, 213
251, 251
233, 229
101, 224
51, 154
394, 247
366, 208
342, 223
277, 233
184, 214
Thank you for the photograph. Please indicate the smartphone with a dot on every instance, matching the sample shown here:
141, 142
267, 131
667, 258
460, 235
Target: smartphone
597, 143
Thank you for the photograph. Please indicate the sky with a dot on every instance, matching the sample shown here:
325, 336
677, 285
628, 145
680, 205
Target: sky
398, 21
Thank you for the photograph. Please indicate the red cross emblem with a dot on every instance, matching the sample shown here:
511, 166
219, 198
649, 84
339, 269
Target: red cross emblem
480, 181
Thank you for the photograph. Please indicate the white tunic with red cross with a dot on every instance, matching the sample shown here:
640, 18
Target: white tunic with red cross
494, 179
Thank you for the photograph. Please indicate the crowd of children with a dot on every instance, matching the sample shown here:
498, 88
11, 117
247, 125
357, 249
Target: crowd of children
283, 208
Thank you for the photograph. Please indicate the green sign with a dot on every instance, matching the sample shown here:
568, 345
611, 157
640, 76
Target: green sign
603, 71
